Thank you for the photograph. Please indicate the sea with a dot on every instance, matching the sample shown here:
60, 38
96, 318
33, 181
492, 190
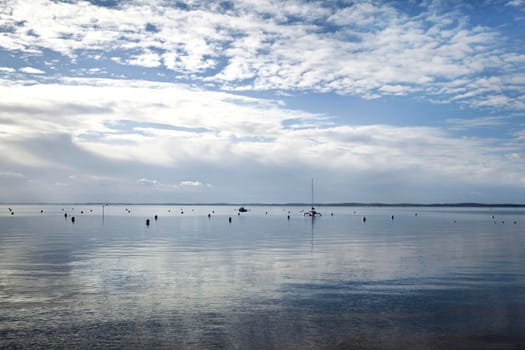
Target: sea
209, 277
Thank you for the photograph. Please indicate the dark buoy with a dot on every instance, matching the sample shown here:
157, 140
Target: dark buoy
331, 214
266, 213
493, 216
392, 217
209, 216
213, 211
73, 219
156, 217
41, 211
169, 210
147, 222
515, 222
415, 214
238, 213
364, 218
181, 212
288, 217
81, 212
12, 213
65, 215
90, 210
230, 219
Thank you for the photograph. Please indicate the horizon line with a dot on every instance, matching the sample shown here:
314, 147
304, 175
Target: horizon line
326, 204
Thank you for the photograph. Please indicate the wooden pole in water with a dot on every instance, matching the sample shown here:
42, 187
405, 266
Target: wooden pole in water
103, 207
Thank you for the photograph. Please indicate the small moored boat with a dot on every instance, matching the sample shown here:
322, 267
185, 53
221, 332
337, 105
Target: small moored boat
312, 212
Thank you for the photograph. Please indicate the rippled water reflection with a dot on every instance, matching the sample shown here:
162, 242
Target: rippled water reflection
446, 278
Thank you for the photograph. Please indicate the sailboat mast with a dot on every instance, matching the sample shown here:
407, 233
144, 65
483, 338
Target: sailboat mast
312, 193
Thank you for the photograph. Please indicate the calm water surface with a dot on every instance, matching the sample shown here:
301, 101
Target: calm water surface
444, 279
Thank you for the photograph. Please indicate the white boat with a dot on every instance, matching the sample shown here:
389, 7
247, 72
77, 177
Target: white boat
312, 212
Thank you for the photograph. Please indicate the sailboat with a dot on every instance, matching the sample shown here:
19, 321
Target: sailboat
313, 213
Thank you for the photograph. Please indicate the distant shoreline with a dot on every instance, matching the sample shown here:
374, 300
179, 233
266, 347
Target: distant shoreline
298, 204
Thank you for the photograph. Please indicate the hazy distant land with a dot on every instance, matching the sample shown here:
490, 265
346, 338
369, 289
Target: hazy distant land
292, 204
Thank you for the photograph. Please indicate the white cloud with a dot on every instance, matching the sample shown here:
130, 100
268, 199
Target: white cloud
516, 156
191, 183
147, 59
172, 138
481, 122
363, 14
11, 174
376, 49
31, 70
395, 89
147, 182
7, 70
174, 132
180, 186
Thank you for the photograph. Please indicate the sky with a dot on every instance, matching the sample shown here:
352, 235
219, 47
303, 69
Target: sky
247, 101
